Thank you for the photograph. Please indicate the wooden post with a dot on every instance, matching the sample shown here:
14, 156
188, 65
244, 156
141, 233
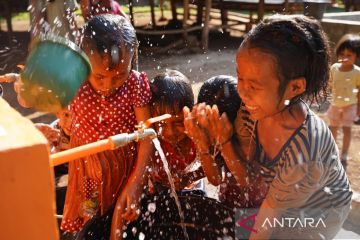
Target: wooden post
152, 9
185, 18
131, 12
261, 10
7, 11
205, 31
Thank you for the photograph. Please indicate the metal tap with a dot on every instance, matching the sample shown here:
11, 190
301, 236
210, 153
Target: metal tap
123, 139
110, 143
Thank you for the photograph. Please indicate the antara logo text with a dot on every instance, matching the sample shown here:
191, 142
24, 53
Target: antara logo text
282, 222
293, 222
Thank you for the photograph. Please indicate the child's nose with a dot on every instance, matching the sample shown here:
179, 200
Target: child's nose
108, 83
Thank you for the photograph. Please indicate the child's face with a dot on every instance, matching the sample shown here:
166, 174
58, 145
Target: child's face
65, 118
104, 80
347, 57
172, 129
258, 83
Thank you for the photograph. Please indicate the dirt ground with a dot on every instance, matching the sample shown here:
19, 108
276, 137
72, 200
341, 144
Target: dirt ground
196, 65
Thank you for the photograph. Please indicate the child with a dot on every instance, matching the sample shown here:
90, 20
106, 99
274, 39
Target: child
171, 91
278, 63
113, 100
345, 84
221, 91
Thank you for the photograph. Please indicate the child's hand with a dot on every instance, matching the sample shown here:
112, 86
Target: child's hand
9, 77
18, 85
223, 128
51, 134
201, 113
198, 135
126, 208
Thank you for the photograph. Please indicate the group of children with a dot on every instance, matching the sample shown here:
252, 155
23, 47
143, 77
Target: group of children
277, 155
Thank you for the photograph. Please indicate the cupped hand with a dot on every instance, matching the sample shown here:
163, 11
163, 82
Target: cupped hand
222, 128
196, 133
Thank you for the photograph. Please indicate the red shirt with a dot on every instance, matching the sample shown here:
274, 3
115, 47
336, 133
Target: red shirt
177, 161
98, 117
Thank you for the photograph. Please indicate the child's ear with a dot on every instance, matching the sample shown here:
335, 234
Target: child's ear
297, 86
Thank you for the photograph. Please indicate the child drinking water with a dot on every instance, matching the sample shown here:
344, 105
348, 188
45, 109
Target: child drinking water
278, 63
113, 100
345, 85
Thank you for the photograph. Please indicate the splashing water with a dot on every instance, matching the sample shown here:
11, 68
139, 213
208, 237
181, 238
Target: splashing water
172, 185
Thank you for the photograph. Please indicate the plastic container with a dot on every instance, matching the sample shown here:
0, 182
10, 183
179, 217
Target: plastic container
54, 71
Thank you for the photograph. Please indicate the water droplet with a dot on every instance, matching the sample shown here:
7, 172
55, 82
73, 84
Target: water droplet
151, 207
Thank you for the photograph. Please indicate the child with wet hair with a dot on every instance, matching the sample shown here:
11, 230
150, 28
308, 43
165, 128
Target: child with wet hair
222, 91
278, 63
345, 86
171, 92
113, 100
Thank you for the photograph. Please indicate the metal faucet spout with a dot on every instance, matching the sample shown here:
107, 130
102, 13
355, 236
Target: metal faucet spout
123, 139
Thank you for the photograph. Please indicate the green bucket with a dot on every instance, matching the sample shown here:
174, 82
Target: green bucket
54, 71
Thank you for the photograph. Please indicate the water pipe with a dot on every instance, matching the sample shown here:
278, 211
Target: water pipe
111, 143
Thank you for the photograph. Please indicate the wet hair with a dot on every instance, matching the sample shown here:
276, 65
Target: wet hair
350, 42
221, 91
299, 48
171, 90
112, 36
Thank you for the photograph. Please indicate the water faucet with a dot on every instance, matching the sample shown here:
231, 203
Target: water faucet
111, 143
125, 138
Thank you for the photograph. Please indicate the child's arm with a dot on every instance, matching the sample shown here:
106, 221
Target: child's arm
203, 145
127, 206
130, 196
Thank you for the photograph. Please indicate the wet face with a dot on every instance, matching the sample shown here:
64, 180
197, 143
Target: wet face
105, 80
347, 58
258, 83
172, 129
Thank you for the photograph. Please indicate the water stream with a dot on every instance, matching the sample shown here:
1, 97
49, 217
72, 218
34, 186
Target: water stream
172, 185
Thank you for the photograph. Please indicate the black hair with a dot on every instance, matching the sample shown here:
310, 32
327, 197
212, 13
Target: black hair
221, 91
299, 47
112, 36
350, 42
171, 90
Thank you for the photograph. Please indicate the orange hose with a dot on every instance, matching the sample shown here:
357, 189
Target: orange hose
79, 152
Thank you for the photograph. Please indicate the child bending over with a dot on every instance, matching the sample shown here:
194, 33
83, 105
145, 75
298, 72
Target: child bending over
112, 101
280, 62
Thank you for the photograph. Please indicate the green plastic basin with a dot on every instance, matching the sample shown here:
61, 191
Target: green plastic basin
54, 71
